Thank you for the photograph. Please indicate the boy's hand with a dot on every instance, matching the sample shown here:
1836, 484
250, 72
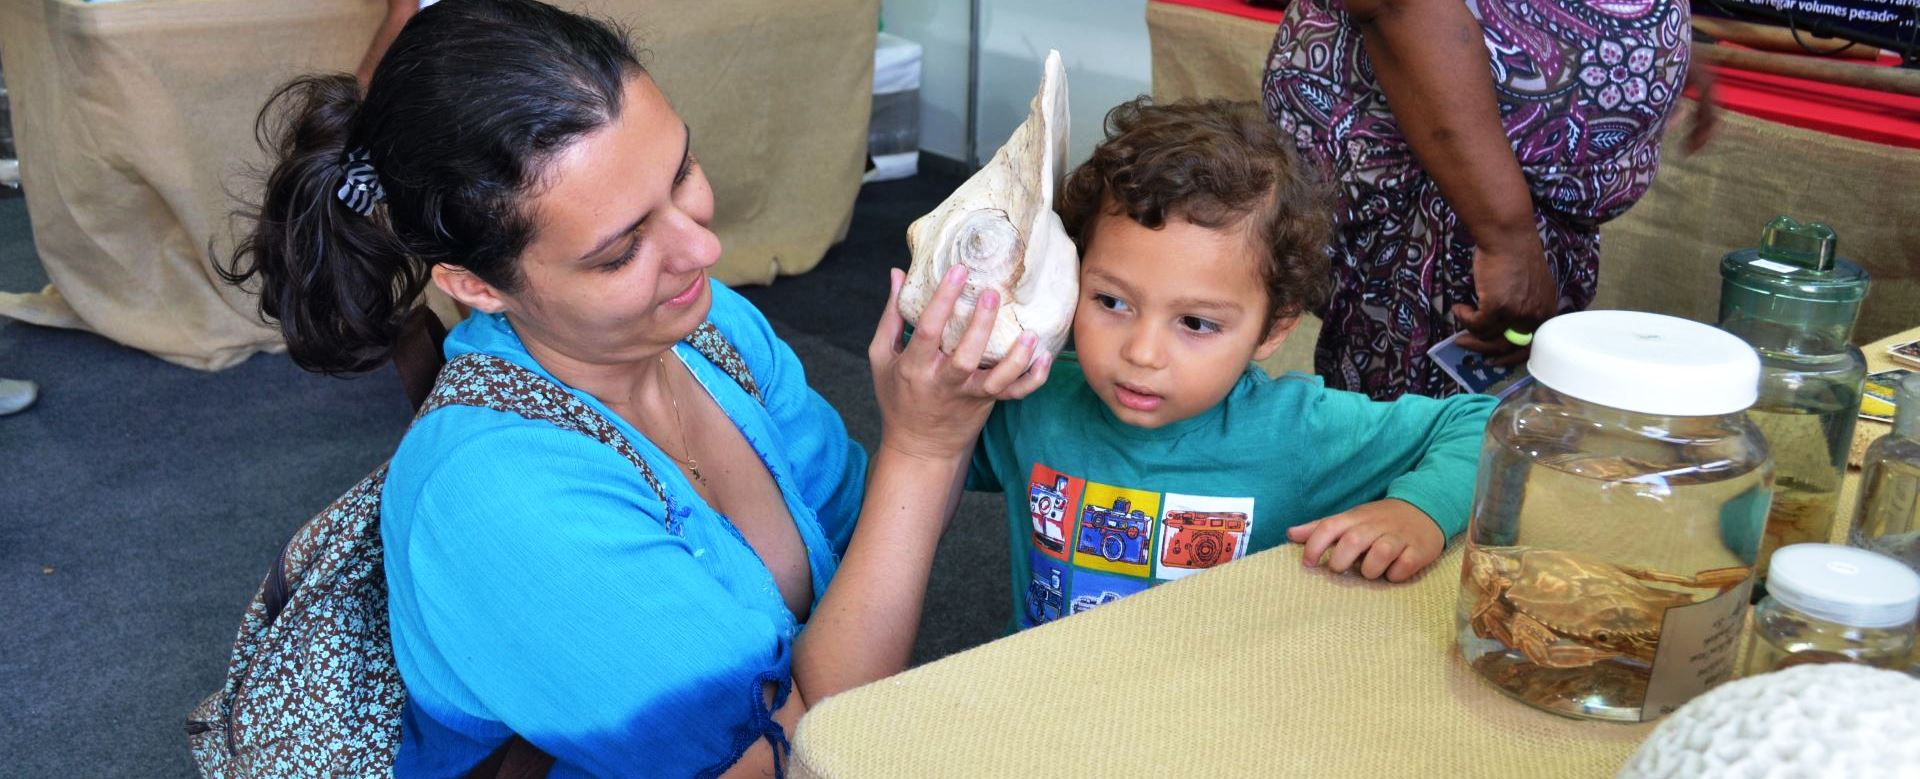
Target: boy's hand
1384, 537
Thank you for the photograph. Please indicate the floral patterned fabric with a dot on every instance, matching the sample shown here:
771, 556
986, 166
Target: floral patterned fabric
312, 689
1584, 89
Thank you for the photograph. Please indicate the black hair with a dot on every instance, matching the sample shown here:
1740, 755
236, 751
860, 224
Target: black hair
469, 103
1214, 163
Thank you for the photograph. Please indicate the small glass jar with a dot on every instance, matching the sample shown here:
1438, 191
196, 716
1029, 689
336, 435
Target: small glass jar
1827, 603
1617, 518
1887, 518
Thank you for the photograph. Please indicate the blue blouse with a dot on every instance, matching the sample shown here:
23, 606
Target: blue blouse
536, 589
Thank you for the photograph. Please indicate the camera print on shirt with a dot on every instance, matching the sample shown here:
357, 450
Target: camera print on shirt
1093, 543
1051, 497
1199, 532
1113, 531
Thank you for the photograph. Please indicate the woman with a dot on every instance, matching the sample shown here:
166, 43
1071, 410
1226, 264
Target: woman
531, 169
1467, 202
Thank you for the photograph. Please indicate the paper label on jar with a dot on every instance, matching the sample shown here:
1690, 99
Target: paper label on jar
1697, 648
1776, 267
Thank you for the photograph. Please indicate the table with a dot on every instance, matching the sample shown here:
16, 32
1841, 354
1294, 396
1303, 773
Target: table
1258, 668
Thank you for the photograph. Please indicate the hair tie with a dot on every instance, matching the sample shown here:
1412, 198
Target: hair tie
360, 185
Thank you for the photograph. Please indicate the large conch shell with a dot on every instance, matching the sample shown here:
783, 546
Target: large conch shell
1001, 224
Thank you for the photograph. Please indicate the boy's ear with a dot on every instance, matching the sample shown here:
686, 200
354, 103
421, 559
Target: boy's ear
468, 289
1276, 334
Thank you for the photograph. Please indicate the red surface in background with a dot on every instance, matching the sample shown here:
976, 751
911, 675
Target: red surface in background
1234, 7
1849, 112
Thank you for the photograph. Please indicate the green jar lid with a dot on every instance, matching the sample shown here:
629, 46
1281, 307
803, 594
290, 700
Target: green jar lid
1796, 261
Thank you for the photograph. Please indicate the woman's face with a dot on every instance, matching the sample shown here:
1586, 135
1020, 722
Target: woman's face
617, 268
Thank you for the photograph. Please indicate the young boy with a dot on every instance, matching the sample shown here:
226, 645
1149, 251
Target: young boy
1156, 450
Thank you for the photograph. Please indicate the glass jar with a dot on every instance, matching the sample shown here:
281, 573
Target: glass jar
1617, 518
1795, 301
1887, 519
1834, 604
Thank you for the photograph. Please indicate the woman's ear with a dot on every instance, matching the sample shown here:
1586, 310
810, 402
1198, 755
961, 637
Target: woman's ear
1276, 335
468, 290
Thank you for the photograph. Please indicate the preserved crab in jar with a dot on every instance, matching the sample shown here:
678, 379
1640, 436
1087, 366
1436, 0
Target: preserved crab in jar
1617, 520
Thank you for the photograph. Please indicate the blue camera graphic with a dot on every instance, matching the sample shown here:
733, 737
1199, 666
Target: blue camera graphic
1044, 597
1118, 533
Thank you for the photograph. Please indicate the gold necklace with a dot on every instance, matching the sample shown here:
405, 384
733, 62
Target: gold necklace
692, 464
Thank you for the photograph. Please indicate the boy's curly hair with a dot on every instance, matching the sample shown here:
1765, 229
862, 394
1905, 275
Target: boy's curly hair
1212, 163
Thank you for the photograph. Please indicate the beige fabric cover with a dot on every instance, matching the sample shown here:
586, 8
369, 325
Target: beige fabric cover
135, 119
1260, 668
1664, 255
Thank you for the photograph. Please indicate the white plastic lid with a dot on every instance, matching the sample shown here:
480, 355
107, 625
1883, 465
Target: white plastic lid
1844, 584
1646, 363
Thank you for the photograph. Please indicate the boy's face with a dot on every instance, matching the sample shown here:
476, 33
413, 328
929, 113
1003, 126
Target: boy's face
1168, 319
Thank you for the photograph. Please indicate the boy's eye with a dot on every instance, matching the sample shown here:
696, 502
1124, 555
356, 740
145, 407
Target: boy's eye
1199, 325
1109, 302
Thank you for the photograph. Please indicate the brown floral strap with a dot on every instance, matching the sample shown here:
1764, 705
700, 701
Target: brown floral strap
707, 340
475, 379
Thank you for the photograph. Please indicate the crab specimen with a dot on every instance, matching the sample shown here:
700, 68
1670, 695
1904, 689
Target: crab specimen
1560, 688
1563, 610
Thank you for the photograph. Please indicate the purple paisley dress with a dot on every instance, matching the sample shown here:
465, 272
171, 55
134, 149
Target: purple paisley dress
1584, 89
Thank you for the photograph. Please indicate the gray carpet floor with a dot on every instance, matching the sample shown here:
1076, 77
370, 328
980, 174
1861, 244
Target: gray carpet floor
141, 502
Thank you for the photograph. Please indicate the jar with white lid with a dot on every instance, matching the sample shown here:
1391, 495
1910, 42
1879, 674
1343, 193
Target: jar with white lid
1828, 603
1617, 518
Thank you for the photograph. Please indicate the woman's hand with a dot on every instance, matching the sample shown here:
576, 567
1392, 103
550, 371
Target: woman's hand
932, 404
1516, 291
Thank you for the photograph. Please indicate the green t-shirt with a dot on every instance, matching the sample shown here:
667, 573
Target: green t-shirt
1099, 509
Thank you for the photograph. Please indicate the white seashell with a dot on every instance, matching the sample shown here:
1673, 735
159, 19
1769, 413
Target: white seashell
1001, 224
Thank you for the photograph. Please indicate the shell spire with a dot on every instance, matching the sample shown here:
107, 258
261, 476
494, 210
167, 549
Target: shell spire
1002, 225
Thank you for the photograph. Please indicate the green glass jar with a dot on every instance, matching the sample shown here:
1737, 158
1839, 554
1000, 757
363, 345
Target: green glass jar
1795, 301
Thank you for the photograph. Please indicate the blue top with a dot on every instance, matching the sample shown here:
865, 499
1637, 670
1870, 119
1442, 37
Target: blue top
1098, 509
536, 589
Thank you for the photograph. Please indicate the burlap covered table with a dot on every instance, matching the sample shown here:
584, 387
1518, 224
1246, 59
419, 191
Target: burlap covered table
134, 122
1662, 256
1259, 668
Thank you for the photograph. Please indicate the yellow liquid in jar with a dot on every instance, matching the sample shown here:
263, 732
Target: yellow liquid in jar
1809, 457
1572, 566
1801, 514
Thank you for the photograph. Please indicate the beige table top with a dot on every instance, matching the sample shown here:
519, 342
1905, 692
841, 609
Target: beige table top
1259, 668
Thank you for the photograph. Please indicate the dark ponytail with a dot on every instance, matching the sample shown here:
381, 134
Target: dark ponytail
470, 101
338, 283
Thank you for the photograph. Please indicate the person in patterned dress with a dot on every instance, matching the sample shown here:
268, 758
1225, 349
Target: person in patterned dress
1475, 148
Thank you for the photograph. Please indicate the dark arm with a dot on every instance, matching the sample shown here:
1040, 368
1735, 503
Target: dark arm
1432, 66
398, 12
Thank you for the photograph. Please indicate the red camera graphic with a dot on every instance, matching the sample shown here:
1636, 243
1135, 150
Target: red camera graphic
1202, 539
